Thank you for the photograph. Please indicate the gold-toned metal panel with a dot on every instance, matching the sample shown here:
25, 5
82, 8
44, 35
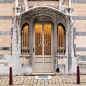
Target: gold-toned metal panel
38, 39
25, 40
60, 42
47, 39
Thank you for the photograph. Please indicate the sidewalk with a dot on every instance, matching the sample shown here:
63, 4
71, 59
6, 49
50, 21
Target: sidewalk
63, 80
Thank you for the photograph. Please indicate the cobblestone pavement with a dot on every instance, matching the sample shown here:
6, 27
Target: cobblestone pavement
59, 80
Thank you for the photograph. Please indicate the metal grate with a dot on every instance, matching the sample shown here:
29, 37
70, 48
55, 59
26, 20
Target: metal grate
61, 41
25, 40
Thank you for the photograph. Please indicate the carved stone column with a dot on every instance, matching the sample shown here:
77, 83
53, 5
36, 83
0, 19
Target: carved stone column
14, 47
31, 43
17, 43
67, 44
55, 44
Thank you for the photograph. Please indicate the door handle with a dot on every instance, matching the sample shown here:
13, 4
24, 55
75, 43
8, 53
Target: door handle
33, 50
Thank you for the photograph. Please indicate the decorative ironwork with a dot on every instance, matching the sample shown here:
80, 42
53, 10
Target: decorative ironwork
43, 35
38, 39
47, 39
25, 40
61, 45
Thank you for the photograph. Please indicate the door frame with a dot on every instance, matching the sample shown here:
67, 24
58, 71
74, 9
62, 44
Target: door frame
52, 43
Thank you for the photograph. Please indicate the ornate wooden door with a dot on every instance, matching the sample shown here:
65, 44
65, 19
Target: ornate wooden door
43, 48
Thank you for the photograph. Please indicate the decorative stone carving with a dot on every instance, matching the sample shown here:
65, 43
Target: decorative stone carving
41, 14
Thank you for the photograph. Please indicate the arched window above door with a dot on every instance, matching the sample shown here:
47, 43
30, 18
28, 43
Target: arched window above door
25, 40
61, 39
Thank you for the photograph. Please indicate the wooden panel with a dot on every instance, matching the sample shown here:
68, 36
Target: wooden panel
39, 66
43, 56
47, 59
38, 59
47, 66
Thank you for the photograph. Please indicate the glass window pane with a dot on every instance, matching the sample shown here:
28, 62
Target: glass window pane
25, 40
47, 39
60, 41
38, 39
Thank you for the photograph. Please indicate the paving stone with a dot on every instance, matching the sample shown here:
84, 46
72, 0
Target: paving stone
42, 84
46, 83
62, 80
50, 85
57, 82
31, 83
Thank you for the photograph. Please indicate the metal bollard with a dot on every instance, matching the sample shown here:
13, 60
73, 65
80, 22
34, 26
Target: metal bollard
10, 76
78, 75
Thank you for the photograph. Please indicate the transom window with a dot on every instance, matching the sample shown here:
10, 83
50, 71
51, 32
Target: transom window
60, 39
25, 40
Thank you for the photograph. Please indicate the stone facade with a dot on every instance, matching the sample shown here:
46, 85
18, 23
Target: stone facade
12, 18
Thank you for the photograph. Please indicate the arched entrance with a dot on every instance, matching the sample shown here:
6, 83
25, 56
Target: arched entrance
43, 22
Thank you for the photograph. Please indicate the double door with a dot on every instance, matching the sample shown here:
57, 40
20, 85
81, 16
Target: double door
43, 48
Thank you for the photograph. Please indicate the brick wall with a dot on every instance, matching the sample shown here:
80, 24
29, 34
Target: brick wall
79, 17
6, 26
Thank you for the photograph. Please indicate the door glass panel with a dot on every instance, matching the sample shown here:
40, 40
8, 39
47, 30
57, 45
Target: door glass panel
47, 39
38, 39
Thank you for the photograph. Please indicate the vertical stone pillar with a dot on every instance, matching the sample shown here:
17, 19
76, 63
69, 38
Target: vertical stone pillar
67, 45
19, 35
74, 64
31, 43
19, 44
14, 47
55, 44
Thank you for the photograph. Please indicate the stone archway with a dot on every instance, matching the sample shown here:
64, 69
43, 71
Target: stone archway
43, 14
